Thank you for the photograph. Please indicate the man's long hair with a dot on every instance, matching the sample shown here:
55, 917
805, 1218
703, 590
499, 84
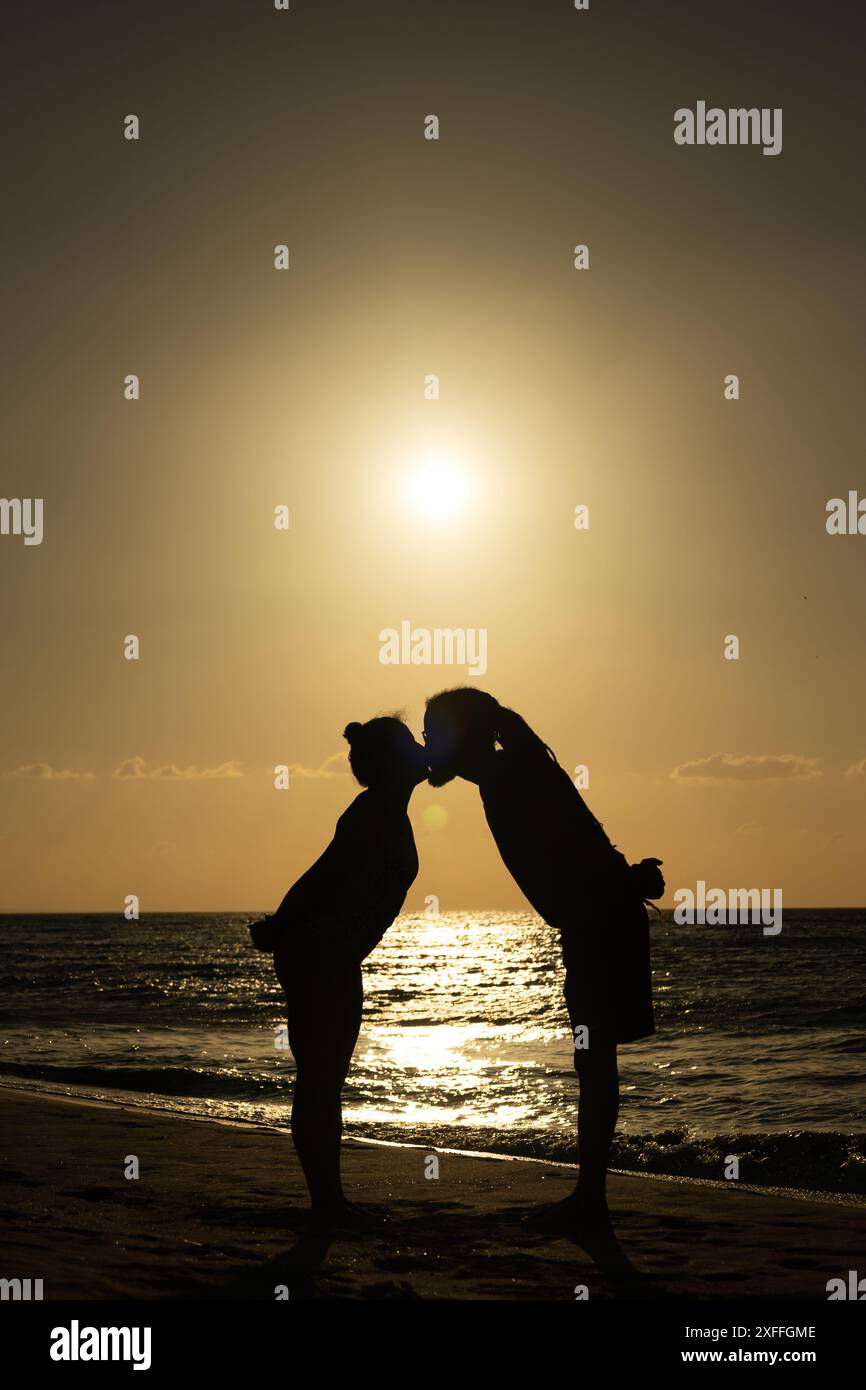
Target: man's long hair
475, 714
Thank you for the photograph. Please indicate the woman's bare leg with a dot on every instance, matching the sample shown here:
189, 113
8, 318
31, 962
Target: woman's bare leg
324, 1022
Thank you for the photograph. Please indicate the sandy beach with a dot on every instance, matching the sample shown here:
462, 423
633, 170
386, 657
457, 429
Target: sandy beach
218, 1211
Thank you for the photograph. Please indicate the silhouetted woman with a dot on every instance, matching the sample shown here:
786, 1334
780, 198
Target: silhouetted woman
329, 920
580, 884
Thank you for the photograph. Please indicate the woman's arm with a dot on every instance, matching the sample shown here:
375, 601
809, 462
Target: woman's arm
315, 888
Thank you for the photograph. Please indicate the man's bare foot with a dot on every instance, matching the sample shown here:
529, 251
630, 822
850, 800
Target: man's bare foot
594, 1218
574, 1213
347, 1215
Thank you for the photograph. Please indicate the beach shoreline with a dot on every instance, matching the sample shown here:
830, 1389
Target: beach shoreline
219, 1211
151, 1105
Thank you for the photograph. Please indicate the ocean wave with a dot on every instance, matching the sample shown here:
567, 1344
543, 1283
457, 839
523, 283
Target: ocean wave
812, 1159
195, 1082
806, 1160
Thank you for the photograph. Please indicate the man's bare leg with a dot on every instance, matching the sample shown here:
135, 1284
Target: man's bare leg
598, 1109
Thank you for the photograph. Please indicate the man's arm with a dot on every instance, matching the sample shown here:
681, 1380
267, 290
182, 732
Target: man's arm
647, 878
642, 881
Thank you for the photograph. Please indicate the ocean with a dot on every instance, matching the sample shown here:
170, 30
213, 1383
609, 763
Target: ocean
759, 1048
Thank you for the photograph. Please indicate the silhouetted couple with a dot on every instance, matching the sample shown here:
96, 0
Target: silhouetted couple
561, 858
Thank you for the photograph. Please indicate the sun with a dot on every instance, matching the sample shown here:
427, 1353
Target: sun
438, 488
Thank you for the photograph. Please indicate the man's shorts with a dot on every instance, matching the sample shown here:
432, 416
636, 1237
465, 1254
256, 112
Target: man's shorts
608, 978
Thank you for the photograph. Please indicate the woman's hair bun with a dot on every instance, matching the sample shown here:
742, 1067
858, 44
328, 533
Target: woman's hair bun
352, 731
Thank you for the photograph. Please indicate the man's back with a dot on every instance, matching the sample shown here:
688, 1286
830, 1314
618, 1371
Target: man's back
548, 838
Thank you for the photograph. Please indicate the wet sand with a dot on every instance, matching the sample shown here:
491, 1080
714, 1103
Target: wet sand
219, 1211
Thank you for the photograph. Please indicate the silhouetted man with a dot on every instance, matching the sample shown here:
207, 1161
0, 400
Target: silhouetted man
580, 884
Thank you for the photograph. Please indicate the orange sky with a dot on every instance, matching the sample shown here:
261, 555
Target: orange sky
306, 387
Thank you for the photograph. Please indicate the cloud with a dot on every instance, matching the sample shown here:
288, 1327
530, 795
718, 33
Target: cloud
856, 769
44, 772
132, 767
749, 828
337, 765
732, 767
137, 769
